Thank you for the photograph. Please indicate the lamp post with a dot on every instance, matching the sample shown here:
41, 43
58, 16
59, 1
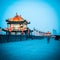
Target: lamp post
0, 30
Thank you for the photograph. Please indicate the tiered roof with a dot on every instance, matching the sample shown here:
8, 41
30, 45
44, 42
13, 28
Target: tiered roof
17, 20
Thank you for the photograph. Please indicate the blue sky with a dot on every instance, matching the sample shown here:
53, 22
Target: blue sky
44, 15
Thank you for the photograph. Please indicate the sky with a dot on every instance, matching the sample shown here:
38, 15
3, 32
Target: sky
44, 15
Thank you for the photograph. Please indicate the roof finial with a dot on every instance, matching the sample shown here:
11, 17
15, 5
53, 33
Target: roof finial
16, 14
